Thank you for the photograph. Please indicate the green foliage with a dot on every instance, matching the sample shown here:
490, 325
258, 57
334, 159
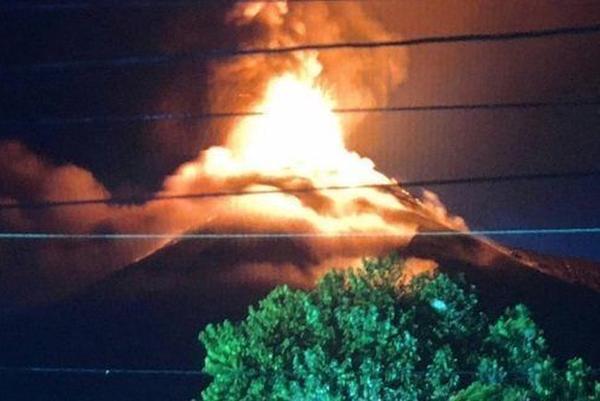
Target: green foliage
360, 336
490, 392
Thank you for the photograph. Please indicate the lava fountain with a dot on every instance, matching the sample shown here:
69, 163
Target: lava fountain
292, 146
296, 131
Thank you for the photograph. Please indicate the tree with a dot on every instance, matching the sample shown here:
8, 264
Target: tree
361, 336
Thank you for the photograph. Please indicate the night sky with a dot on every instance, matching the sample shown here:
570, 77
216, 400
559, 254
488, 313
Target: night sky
133, 157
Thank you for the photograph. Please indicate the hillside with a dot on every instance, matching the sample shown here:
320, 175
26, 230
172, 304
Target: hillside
148, 314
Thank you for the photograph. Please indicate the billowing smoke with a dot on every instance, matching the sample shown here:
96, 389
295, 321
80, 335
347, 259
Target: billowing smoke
40, 269
356, 79
52, 268
297, 144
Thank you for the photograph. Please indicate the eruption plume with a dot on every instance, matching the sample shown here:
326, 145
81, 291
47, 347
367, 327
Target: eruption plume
294, 142
297, 141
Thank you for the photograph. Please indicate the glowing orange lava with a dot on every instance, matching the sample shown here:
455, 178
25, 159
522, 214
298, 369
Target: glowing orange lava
298, 130
296, 141
299, 134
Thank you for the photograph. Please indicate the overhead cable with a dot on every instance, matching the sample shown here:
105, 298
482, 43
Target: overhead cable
183, 116
148, 372
296, 235
94, 5
133, 60
308, 189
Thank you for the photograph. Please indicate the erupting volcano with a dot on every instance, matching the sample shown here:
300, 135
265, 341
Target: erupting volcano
318, 192
331, 202
294, 144
325, 205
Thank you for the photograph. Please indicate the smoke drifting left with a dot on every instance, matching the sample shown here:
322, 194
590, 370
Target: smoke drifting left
282, 150
41, 271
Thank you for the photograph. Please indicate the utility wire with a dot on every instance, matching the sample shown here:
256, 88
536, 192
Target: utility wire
202, 195
50, 6
100, 372
226, 53
299, 235
152, 117
156, 372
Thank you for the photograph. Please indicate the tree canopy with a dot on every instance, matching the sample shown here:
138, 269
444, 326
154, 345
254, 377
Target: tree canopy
359, 335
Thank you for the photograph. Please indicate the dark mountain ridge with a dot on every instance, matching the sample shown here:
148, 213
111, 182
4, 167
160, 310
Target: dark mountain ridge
148, 314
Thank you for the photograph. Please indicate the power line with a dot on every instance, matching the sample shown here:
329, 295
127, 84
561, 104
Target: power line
157, 372
101, 372
299, 235
202, 195
66, 6
152, 117
225, 53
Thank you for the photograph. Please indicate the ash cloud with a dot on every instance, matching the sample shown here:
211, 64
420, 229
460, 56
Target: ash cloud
35, 271
41, 270
357, 80
38, 272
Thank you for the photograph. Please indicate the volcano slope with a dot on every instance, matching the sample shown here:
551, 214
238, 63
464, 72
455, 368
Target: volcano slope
148, 314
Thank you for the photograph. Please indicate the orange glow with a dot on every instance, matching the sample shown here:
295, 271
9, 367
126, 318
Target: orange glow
298, 130
298, 134
297, 142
